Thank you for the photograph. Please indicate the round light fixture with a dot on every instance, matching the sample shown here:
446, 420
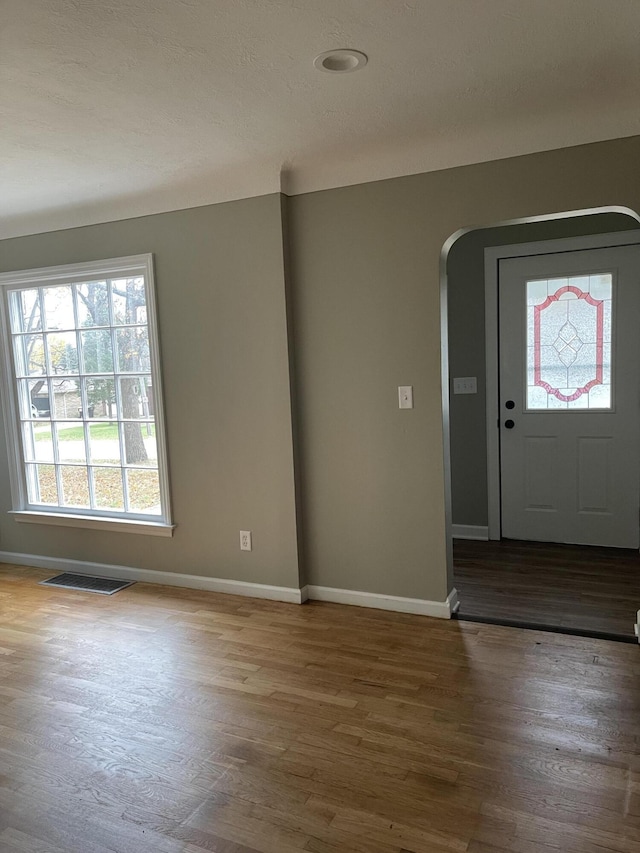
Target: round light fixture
340, 61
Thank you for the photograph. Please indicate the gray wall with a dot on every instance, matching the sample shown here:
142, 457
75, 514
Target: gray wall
366, 266
365, 318
224, 349
465, 278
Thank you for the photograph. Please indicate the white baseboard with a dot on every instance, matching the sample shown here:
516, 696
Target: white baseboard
419, 606
254, 590
453, 601
470, 531
441, 609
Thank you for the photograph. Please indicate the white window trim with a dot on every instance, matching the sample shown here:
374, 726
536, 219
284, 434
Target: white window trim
92, 519
90, 522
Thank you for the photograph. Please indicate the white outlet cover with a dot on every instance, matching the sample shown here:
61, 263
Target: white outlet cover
465, 385
245, 540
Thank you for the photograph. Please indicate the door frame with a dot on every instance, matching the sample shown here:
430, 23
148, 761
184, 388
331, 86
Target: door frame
492, 256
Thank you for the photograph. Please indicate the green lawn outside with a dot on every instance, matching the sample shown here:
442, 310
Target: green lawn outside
103, 431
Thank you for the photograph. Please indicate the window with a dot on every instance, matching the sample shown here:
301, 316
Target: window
83, 407
569, 322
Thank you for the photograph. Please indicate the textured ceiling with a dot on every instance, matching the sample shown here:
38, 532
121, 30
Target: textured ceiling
115, 108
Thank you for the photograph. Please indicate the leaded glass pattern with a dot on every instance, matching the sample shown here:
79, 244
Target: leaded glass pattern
569, 328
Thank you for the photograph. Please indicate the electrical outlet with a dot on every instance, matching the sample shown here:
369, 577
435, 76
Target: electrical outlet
245, 540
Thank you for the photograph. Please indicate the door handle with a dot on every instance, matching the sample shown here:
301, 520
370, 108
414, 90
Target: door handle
509, 424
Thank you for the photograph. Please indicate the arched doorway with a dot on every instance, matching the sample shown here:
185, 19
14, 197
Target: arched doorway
504, 580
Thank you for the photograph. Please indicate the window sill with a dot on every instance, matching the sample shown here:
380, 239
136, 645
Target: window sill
119, 525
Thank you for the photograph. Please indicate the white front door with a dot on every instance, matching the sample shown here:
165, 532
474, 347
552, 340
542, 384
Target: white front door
569, 400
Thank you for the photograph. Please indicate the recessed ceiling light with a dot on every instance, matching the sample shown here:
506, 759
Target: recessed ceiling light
340, 61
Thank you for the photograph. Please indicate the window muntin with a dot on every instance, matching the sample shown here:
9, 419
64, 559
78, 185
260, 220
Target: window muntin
83, 378
569, 342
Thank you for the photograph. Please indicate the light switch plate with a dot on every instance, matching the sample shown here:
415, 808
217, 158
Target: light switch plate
405, 396
465, 385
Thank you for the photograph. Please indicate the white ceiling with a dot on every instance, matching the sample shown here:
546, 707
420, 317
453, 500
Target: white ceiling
116, 108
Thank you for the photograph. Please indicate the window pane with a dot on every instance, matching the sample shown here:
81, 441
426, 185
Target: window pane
75, 486
139, 444
92, 301
129, 301
58, 307
146, 431
33, 398
29, 355
67, 402
83, 386
107, 488
28, 443
104, 443
38, 442
97, 351
25, 311
600, 397
101, 397
144, 491
133, 350
569, 342
136, 397
71, 446
62, 348
41, 484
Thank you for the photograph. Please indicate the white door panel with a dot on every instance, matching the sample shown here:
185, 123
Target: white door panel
595, 474
540, 467
569, 399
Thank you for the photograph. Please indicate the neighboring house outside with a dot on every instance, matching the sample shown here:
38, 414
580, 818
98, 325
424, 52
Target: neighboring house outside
68, 403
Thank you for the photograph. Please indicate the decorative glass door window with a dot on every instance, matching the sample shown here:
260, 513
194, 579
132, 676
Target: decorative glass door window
569, 325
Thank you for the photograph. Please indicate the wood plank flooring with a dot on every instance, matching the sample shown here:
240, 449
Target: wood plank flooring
162, 720
566, 586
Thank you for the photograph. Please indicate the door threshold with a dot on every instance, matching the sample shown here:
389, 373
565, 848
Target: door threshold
551, 629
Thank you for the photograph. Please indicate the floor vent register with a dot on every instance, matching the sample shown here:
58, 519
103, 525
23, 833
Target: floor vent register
84, 583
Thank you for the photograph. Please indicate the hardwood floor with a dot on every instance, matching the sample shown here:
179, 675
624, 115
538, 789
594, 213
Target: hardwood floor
565, 586
163, 720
